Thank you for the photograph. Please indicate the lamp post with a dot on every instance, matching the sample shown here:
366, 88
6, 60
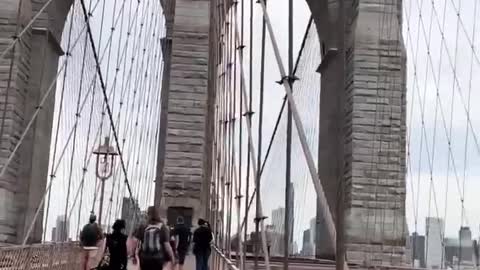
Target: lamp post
104, 168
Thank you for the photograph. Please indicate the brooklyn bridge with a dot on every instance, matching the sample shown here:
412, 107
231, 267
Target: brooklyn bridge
309, 134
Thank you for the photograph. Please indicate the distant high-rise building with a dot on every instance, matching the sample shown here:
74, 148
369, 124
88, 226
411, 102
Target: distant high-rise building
294, 248
313, 233
62, 229
452, 247
307, 247
129, 210
417, 244
466, 245
291, 214
434, 249
278, 230
54, 234
278, 218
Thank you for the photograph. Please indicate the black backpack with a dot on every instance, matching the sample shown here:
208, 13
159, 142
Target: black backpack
90, 235
152, 245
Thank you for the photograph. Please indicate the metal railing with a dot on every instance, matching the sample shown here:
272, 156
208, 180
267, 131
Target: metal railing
225, 261
57, 256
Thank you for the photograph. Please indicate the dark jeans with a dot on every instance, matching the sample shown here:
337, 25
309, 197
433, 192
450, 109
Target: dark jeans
151, 263
182, 253
201, 260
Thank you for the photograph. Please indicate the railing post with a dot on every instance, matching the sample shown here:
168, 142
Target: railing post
50, 258
28, 258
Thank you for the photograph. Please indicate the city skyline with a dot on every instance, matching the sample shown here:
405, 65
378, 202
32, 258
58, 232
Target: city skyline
436, 251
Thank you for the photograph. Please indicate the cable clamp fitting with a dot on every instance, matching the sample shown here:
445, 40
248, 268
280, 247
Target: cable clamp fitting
249, 113
258, 219
289, 79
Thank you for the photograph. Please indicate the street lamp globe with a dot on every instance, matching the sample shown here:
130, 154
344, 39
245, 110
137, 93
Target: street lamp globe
105, 160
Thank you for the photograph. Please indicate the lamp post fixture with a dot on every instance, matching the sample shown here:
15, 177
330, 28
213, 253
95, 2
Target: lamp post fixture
104, 168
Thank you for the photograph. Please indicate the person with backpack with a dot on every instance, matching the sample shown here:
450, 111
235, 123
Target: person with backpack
90, 239
202, 237
155, 249
183, 242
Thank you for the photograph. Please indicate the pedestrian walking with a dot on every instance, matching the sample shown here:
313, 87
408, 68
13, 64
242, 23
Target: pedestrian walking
117, 246
202, 237
183, 238
155, 249
91, 241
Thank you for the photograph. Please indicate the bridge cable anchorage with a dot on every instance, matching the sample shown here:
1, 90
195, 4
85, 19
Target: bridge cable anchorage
320, 193
17, 37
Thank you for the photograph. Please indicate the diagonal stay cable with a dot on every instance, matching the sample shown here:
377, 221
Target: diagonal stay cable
27, 27
280, 113
327, 215
105, 96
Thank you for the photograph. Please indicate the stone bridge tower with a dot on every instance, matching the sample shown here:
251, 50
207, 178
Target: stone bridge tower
25, 74
362, 121
185, 145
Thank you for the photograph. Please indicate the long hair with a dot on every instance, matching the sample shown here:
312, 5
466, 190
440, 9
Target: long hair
119, 225
153, 216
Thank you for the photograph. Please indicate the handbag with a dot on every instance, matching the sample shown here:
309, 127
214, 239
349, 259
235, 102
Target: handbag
105, 262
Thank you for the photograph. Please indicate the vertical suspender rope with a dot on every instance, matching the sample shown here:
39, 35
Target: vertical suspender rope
258, 216
231, 123
240, 48
288, 157
67, 55
75, 128
251, 149
248, 116
238, 197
